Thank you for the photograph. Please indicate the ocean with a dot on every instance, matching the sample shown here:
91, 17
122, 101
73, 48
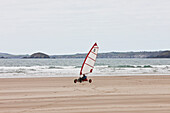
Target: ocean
26, 68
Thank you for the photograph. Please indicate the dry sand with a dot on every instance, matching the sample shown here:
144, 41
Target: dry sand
126, 94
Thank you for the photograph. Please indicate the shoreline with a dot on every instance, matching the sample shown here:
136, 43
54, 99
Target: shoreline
113, 75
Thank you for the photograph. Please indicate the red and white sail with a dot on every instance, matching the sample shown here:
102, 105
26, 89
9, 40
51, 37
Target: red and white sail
90, 60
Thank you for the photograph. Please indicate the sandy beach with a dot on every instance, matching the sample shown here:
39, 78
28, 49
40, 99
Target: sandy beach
124, 94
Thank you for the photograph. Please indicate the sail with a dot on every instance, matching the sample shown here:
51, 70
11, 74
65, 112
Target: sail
90, 60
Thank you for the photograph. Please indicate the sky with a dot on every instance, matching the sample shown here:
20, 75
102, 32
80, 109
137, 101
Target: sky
73, 26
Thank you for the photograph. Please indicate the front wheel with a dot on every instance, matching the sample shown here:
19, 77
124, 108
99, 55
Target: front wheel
90, 80
75, 80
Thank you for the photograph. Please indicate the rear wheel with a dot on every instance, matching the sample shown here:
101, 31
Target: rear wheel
75, 80
90, 80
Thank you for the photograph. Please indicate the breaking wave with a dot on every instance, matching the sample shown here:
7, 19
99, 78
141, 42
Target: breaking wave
66, 71
134, 66
71, 67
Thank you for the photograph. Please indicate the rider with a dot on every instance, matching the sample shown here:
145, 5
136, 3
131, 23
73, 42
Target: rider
84, 77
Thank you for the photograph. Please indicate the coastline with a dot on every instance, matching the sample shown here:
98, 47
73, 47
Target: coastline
77, 75
105, 94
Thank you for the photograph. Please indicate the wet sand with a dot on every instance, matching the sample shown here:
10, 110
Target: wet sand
125, 94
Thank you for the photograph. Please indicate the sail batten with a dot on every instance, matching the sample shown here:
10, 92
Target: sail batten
90, 60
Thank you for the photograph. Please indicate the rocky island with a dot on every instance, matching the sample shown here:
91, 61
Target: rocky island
39, 55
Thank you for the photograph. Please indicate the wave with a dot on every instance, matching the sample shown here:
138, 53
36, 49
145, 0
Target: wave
65, 71
54, 67
77, 67
126, 66
134, 66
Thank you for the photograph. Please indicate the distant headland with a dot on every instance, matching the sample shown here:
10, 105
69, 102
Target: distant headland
142, 54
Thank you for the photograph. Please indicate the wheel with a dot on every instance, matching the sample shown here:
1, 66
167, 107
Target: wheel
75, 80
90, 80
80, 80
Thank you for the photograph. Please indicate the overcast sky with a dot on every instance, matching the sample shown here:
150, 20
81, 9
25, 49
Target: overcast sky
73, 26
